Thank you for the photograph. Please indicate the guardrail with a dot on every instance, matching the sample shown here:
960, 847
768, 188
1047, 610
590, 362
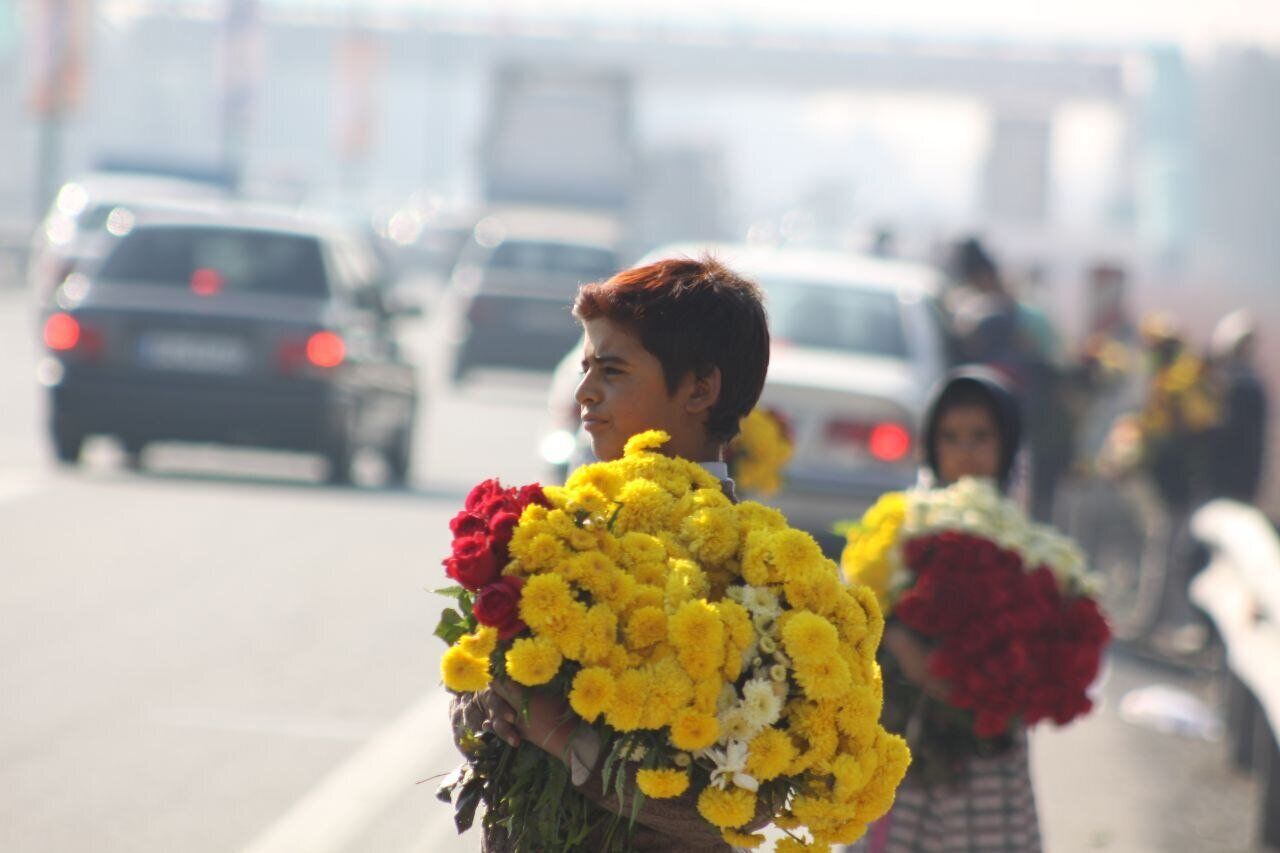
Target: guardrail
1240, 591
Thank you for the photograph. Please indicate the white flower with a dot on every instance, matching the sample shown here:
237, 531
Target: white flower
760, 703
727, 699
730, 766
735, 724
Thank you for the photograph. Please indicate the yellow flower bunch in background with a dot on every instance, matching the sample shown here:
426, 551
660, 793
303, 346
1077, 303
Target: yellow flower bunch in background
713, 647
760, 452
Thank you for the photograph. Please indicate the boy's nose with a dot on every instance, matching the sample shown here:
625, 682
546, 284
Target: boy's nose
586, 393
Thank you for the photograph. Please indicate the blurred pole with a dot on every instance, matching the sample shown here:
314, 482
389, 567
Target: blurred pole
241, 60
57, 45
358, 58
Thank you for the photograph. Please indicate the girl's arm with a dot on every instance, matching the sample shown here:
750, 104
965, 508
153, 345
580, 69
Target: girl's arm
912, 654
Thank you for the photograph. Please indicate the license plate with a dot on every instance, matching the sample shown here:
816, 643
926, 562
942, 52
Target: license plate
193, 353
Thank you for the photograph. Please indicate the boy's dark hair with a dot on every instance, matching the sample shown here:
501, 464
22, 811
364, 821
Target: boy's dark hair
694, 316
976, 386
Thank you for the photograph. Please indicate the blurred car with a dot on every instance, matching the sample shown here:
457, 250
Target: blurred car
230, 324
509, 298
67, 237
858, 342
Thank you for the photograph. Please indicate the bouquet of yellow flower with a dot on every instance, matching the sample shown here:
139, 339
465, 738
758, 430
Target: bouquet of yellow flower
760, 452
712, 648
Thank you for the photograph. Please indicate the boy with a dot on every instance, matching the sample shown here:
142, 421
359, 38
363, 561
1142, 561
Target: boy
680, 345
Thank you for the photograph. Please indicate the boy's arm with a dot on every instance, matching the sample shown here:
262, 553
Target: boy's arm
677, 817
555, 729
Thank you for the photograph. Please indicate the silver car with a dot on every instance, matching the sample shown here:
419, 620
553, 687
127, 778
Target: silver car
858, 342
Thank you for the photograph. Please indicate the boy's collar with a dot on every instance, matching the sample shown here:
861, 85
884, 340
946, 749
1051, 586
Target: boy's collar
720, 470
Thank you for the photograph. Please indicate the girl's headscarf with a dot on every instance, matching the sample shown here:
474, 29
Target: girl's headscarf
967, 386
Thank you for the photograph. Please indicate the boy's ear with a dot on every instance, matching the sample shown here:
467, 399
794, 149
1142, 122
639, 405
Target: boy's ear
704, 391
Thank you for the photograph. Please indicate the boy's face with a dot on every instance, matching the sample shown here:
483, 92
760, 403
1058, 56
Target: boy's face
623, 392
967, 444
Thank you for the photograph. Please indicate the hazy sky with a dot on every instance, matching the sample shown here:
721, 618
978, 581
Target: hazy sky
1196, 24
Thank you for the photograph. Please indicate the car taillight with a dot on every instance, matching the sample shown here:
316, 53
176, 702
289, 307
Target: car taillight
61, 332
206, 282
886, 441
326, 349
889, 442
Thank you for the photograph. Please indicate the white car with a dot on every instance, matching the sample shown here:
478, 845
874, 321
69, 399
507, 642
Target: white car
858, 343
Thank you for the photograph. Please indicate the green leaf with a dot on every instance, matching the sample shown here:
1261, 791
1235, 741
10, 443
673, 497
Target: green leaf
452, 625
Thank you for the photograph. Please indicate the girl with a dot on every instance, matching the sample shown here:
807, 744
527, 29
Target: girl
962, 792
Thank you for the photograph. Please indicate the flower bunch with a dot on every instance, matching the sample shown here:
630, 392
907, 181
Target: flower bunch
760, 452
713, 649
1018, 632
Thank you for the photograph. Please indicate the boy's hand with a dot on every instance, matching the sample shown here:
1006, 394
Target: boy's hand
913, 656
548, 725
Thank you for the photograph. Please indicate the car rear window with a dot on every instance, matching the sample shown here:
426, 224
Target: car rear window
582, 263
244, 260
848, 319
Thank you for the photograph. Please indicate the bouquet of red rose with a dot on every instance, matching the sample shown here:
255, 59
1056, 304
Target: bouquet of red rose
1009, 642
481, 538
1017, 633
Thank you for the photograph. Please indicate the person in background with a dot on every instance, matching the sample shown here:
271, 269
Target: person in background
962, 793
993, 328
1239, 441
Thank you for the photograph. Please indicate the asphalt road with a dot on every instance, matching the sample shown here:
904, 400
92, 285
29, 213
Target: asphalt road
219, 653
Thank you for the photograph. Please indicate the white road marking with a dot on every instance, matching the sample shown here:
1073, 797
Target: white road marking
330, 816
19, 484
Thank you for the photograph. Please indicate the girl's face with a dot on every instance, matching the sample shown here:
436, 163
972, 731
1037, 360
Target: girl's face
967, 444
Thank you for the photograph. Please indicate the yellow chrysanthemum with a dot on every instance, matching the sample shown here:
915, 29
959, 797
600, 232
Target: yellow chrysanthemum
638, 548
631, 690
649, 440
685, 581
599, 634
646, 626
533, 661
600, 475
745, 840
760, 452
643, 507
823, 678
480, 644
662, 783
587, 499
670, 690
592, 693
729, 808
540, 552
769, 754
712, 533
867, 558
807, 636
691, 731
463, 672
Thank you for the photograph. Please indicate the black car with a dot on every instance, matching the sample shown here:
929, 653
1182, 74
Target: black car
232, 326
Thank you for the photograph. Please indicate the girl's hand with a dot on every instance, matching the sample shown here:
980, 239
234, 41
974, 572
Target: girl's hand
913, 655
548, 725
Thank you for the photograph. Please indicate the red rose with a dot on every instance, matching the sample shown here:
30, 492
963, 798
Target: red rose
467, 524
501, 526
493, 505
482, 493
498, 606
531, 494
473, 563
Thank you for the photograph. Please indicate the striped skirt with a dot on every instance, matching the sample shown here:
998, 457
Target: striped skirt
990, 809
